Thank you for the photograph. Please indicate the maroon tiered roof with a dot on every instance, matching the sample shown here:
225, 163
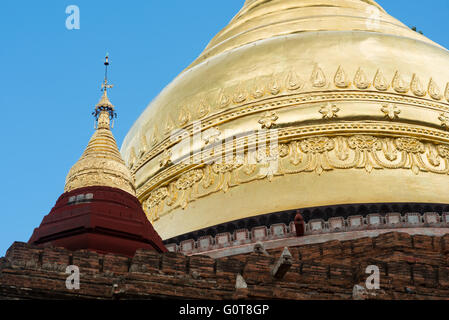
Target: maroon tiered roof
102, 219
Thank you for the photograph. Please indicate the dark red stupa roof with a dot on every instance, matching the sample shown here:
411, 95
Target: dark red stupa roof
102, 219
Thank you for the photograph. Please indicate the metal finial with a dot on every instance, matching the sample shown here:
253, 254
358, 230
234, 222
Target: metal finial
105, 104
105, 86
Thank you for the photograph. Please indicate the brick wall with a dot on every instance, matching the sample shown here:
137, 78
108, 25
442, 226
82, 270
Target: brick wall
411, 267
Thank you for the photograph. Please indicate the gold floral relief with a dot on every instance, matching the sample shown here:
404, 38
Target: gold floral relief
341, 79
380, 82
309, 155
291, 85
399, 84
361, 81
417, 87
434, 90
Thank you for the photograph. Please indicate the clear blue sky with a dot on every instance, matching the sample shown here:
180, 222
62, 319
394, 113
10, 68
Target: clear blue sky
50, 79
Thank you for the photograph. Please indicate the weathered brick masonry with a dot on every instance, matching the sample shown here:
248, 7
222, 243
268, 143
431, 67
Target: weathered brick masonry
412, 267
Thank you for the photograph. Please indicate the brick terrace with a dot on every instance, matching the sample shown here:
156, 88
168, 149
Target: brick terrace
412, 267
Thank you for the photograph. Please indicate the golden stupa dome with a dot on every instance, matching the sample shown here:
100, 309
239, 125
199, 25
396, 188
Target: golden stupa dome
101, 163
312, 102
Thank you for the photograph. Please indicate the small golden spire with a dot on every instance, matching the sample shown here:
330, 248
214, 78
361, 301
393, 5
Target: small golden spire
101, 163
103, 121
105, 86
104, 102
104, 105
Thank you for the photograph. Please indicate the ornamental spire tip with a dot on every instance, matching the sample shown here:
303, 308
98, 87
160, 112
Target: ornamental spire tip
104, 105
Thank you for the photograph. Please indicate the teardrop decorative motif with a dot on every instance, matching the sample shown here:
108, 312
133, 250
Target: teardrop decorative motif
240, 95
360, 80
184, 116
380, 83
417, 87
434, 90
399, 84
132, 157
340, 79
446, 93
318, 78
203, 108
143, 144
223, 99
154, 137
275, 88
258, 90
293, 82
169, 125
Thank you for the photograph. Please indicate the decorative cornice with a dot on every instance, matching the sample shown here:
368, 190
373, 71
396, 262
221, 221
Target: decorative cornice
271, 103
316, 154
290, 134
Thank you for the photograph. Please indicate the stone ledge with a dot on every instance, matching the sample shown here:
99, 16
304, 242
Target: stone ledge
372, 224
